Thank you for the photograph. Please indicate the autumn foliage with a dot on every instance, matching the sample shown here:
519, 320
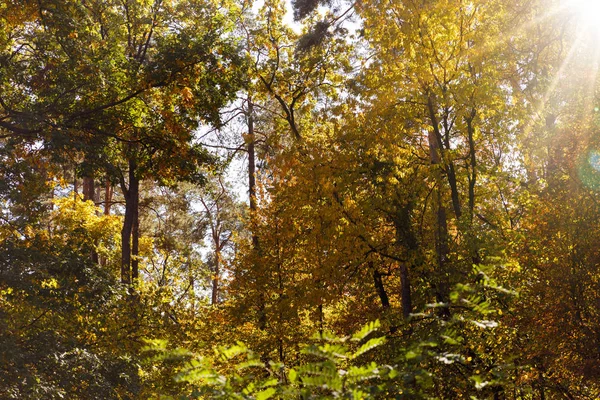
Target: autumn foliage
381, 199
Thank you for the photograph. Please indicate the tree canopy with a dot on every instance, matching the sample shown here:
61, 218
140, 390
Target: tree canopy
316, 199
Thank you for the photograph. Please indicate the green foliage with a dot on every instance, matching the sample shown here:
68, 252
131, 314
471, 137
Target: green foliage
327, 375
351, 366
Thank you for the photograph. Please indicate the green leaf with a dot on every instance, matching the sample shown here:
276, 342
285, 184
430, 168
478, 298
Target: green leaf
292, 375
253, 362
266, 394
369, 345
366, 330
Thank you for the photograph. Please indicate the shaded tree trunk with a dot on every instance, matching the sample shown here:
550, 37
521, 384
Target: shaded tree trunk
405, 291
378, 281
135, 240
75, 185
262, 318
108, 193
131, 195
88, 189
406, 237
441, 236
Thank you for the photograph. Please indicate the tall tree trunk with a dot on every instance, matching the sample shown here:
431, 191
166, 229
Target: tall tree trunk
216, 272
406, 237
108, 193
472, 179
126, 242
472, 163
75, 186
405, 291
262, 318
441, 237
135, 238
131, 195
251, 161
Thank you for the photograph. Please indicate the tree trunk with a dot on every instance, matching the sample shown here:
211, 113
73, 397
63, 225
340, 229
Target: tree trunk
215, 280
88, 190
472, 162
405, 236
405, 291
251, 160
262, 318
135, 239
378, 281
441, 237
126, 243
75, 187
131, 195
108, 192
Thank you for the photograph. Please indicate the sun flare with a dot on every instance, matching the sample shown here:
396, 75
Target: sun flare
587, 13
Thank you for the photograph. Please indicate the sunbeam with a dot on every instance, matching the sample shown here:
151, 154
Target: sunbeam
587, 12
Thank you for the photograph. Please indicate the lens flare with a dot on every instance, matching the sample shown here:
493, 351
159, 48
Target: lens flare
594, 159
589, 169
587, 13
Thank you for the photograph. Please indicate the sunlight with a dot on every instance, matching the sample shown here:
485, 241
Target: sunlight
587, 13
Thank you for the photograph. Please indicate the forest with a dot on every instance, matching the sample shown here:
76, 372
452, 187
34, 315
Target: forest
315, 199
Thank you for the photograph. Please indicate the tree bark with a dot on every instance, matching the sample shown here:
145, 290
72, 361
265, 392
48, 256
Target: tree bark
251, 160
406, 237
441, 237
75, 186
472, 162
131, 195
108, 193
216, 272
135, 239
88, 190
405, 291
262, 317
378, 281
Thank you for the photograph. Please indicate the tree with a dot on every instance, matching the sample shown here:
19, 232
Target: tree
144, 79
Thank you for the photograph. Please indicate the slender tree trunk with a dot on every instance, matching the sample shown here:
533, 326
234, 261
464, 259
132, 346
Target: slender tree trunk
454, 190
75, 187
135, 239
251, 161
216, 272
108, 192
378, 281
131, 204
406, 237
126, 242
441, 237
472, 179
405, 291
262, 318
473, 164
321, 318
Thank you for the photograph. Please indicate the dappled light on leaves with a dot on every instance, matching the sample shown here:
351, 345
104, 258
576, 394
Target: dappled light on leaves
392, 199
